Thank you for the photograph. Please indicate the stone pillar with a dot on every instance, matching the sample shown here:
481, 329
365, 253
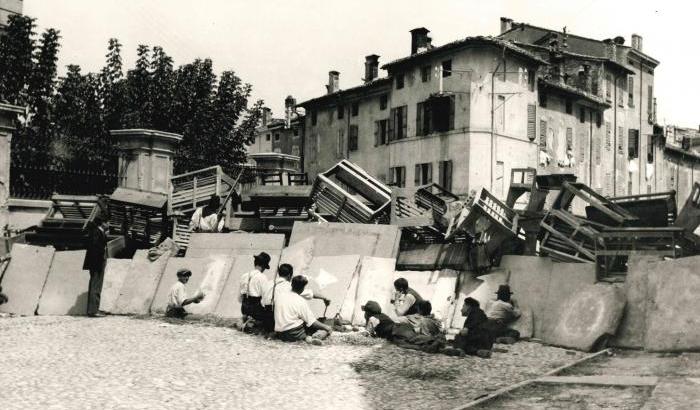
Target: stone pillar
147, 158
8, 116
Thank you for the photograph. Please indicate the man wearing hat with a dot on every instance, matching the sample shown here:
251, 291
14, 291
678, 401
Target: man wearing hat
502, 312
252, 287
95, 259
207, 218
177, 298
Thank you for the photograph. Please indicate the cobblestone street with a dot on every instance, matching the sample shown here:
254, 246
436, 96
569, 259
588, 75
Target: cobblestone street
127, 363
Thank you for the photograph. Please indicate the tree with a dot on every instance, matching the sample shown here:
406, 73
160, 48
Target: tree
113, 88
161, 89
16, 52
139, 108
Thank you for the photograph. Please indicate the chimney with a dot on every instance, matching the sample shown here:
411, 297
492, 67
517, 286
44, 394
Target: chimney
420, 40
289, 110
266, 116
371, 67
333, 82
610, 49
637, 42
619, 40
506, 24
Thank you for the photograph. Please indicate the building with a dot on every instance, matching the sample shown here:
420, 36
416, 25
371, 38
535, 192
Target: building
681, 151
278, 142
465, 113
8, 8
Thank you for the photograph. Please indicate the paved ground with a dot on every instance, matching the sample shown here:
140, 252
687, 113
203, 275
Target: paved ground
127, 363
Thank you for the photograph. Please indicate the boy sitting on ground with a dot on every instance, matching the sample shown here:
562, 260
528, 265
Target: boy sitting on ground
294, 319
177, 298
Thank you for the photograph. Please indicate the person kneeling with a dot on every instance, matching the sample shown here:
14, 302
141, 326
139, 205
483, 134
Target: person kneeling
177, 298
294, 320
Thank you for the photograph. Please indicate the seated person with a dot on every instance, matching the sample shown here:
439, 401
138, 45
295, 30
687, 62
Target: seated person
405, 298
378, 324
428, 325
476, 337
283, 284
294, 320
251, 287
502, 312
177, 298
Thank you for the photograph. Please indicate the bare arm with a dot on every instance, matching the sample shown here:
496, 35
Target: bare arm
320, 326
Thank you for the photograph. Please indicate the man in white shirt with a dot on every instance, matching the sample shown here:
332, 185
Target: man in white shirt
282, 284
294, 320
252, 286
502, 312
207, 218
177, 298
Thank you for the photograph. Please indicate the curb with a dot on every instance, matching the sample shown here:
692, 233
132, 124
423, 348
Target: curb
510, 388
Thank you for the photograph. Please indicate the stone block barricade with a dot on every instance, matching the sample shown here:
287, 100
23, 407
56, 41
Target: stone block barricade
561, 303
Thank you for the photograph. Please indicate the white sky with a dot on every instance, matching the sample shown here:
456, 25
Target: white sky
287, 47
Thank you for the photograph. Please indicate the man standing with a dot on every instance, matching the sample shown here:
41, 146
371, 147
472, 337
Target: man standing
294, 320
95, 259
252, 286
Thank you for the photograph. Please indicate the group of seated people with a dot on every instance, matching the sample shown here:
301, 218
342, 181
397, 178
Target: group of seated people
280, 308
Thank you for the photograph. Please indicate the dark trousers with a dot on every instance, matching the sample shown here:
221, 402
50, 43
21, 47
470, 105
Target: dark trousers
500, 329
95, 290
268, 318
177, 312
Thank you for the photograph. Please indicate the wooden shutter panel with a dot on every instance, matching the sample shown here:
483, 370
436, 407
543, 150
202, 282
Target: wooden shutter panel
569, 138
376, 133
419, 119
404, 121
448, 175
429, 177
416, 176
390, 124
620, 140
597, 148
543, 134
531, 114
608, 135
452, 113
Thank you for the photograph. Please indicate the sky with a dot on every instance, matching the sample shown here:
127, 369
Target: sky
287, 47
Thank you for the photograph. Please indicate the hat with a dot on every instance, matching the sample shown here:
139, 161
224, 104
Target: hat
263, 259
184, 272
503, 289
372, 307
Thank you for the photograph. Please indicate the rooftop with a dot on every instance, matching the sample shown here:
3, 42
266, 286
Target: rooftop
377, 82
565, 88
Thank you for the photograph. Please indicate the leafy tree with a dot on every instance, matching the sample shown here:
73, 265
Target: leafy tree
16, 52
161, 89
113, 87
139, 109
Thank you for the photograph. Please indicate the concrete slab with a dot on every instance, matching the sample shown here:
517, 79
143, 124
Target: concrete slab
333, 277
529, 282
593, 311
437, 286
673, 322
487, 290
233, 244
116, 271
25, 277
299, 255
525, 324
566, 280
376, 282
676, 393
468, 283
139, 288
208, 277
66, 288
229, 305
601, 380
333, 239
630, 333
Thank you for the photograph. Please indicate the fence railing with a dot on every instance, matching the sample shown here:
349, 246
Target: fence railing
38, 182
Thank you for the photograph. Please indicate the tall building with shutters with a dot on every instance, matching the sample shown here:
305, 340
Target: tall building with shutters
466, 113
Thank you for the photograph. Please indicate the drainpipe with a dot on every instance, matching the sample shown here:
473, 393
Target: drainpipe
614, 132
493, 135
590, 151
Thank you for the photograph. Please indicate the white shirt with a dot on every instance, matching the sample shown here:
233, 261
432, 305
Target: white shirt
201, 223
253, 283
291, 310
177, 295
283, 285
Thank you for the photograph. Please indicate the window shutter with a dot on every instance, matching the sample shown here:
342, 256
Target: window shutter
569, 138
543, 134
404, 121
620, 140
419, 119
416, 176
531, 114
608, 134
581, 148
452, 112
633, 143
650, 103
429, 177
376, 133
597, 148
448, 176
390, 124
630, 88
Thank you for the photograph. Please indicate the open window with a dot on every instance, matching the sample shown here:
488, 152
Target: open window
436, 114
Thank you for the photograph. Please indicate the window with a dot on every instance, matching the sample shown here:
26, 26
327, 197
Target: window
447, 68
383, 100
598, 119
277, 136
650, 104
313, 117
295, 150
608, 135
633, 144
650, 149
268, 137
621, 92
295, 132
352, 138
531, 79
424, 174
620, 139
340, 144
445, 177
569, 106
425, 73
436, 114
569, 139
582, 114
398, 176
630, 88
531, 127
543, 134
502, 107
355, 109
543, 100
397, 126
341, 112
399, 81
381, 132
608, 87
